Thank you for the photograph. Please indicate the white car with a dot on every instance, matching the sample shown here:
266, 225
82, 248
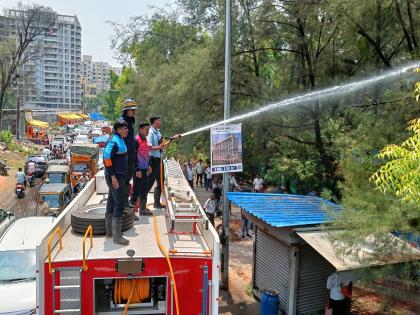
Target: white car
81, 139
18, 264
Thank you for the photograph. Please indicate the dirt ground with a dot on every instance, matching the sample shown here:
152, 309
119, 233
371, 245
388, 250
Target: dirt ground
238, 300
8, 199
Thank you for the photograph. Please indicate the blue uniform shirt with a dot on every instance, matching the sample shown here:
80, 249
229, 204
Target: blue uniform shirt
115, 156
153, 141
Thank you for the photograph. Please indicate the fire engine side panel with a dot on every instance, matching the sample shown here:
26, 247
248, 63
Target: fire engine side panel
63, 221
188, 276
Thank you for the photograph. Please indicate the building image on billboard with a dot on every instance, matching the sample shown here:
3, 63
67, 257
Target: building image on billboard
226, 151
226, 148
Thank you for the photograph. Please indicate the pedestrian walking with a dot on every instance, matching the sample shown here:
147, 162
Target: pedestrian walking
142, 169
199, 171
116, 167
128, 115
209, 177
258, 183
190, 174
245, 229
233, 185
336, 298
210, 207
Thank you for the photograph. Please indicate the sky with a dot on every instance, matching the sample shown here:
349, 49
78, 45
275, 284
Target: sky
93, 15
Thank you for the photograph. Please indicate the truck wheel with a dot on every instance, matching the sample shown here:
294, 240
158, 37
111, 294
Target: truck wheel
95, 215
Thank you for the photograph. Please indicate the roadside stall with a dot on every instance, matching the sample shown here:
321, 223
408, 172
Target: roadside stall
83, 116
37, 131
69, 119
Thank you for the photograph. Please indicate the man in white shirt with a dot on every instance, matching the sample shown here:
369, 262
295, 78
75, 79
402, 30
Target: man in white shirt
210, 208
46, 151
190, 174
199, 170
30, 168
232, 182
258, 183
336, 298
208, 178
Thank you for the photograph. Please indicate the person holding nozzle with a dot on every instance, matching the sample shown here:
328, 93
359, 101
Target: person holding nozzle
156, 147
116, 167
128, 115
142, 169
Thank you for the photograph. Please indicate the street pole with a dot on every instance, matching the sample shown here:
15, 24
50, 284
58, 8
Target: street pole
226, 205
18, 118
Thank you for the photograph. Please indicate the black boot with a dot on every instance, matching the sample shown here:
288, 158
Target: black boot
108, 225
117, 232
143, 208
156, 195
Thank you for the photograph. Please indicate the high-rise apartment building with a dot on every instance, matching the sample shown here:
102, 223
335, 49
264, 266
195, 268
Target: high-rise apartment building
54, 76
95, 76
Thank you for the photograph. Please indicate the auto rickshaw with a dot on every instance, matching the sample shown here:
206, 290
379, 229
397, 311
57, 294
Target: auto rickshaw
83, 157
54, 197
58, 174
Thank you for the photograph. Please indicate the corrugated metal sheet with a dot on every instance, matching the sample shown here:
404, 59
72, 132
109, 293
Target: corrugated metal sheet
312, 280
271, 266
319, 240
280, 210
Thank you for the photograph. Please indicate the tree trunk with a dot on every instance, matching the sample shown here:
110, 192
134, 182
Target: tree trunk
2, 98
403, 26
412, 28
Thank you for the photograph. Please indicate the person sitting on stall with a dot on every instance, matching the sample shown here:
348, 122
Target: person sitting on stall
116, 168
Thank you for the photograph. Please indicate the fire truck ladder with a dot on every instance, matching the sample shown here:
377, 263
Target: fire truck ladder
69, 289
183, 207
67, 281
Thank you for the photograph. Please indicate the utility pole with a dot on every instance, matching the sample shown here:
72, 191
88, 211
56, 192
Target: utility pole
226, 205
18, 118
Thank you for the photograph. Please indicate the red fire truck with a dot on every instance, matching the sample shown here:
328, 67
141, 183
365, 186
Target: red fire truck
170, 267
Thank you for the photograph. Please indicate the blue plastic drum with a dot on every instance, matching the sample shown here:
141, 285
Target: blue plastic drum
269, 303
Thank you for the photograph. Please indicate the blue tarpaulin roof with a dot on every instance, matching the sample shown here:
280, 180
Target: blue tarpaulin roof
281, 210
96, 116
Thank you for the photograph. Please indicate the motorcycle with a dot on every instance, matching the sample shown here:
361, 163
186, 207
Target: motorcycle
20, 190
31, 179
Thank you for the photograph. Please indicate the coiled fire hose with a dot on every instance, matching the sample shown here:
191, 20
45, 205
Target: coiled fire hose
131, 290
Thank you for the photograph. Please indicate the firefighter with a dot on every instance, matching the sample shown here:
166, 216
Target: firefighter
156, 147
128, 115
116, 166
142, 169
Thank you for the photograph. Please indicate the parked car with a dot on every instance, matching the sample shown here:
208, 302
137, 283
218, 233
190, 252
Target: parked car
40, 164
81, 139
18, 264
